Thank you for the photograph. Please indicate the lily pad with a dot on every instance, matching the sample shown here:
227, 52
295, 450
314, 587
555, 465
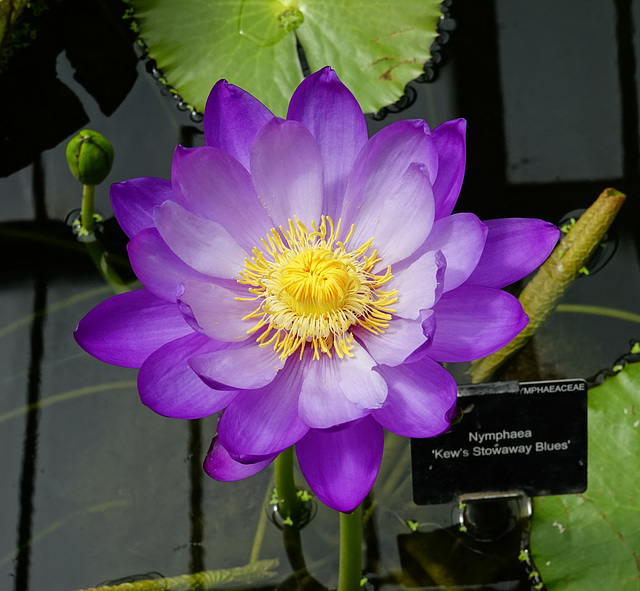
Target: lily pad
591, 541
376, 47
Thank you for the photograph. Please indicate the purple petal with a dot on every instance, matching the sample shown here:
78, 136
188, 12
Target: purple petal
428, 323
232, 117
421, 396
357, 380
204, 245
168, 386
419, 285
216, 311
385, 159
332, 114
400, 220
474, 321
125, 329
323, 404
246, 368
215, 186
338, 390
133, 202
452, 154
222, 467
157, 267
342, 464
461, 238
397, 342
286, 167
515, 247
264, 421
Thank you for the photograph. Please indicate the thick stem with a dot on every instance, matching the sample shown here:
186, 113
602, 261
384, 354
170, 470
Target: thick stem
541, 295
86, 215
350, 572
289, 503
290, 510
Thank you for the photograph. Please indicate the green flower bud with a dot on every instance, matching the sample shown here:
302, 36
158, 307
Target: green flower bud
90, 157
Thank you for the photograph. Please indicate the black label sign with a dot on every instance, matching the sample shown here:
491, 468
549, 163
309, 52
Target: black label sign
529, 437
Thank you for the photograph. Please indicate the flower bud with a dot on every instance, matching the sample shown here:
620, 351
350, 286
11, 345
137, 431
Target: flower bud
90, 157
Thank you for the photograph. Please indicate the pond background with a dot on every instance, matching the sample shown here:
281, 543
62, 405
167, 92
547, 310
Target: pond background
96, 487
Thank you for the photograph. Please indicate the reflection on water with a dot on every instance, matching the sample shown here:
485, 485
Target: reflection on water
96, 487
483, 552
196, 517
30, 444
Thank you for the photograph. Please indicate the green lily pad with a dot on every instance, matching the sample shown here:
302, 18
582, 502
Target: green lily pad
376, 47
591, 541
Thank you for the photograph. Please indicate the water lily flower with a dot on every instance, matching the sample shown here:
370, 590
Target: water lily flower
309, 281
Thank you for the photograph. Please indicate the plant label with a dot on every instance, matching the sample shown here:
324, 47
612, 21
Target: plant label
529, 437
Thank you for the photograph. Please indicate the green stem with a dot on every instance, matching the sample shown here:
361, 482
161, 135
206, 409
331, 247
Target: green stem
350, 572
64, 397
86, 215
212, 579
95, 250
290, 510
289, 505
109, 274
258, 538
542, 294
599, 311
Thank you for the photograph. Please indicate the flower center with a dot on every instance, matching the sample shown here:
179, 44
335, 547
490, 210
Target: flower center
311, 290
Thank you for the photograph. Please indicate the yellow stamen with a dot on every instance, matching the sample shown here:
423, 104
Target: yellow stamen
310, 290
